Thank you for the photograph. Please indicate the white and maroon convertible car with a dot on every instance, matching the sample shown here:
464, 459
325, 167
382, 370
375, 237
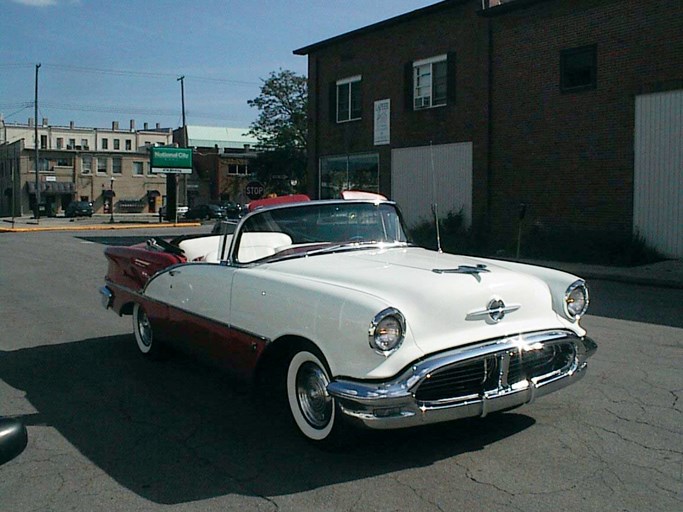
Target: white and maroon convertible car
330, 303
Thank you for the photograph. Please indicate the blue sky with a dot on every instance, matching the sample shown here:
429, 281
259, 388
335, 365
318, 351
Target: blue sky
104, 61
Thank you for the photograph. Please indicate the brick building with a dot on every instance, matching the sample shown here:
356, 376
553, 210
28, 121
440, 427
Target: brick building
572, 108
221, 158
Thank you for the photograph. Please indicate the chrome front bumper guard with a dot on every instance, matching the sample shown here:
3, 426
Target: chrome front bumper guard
392, 404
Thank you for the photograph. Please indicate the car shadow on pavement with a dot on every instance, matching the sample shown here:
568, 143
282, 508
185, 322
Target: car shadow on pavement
176, 431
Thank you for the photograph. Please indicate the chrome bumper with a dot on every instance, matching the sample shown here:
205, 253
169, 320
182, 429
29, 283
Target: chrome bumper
393, 404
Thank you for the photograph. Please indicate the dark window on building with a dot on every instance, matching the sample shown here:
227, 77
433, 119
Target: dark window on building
238, 169
117, 144
578, 69
105, 144
43, 141
129, 145
348, 99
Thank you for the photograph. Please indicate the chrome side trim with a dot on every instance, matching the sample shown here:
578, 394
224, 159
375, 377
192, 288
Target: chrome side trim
392, 404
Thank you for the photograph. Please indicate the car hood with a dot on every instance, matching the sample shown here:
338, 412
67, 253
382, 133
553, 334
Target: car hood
443, 297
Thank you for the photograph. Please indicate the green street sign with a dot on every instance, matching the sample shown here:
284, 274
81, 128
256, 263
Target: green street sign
171, 160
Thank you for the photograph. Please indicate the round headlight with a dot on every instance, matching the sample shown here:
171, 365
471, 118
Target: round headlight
576, 300
387, 331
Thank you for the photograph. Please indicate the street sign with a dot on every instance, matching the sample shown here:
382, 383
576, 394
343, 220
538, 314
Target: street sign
165, 160
254, 190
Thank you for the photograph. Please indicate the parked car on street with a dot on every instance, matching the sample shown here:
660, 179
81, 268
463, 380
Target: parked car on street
181, 211
329, 304
79, 209
205, 211
231, 209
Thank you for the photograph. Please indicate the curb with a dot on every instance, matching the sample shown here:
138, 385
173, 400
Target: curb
637, 280
99, 227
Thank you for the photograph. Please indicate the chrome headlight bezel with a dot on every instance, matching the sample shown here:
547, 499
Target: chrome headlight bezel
576, 300
387, 331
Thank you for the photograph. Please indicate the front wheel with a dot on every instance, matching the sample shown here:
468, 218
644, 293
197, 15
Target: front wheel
144, 335
313, 409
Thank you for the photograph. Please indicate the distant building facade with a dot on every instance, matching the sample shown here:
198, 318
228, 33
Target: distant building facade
221, 159
572, 108
106, 166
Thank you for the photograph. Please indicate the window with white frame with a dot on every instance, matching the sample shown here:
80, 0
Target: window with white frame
105, 143
348, 99
138, 168
430, 82
117, 144
129, 144
101, 165
86, 164
116, 167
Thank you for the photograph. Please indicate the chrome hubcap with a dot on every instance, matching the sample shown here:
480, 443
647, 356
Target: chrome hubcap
145, 329
311, 390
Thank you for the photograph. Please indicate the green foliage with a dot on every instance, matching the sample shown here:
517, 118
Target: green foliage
557, 244
282, 131
282, 104
582, 246
455, 237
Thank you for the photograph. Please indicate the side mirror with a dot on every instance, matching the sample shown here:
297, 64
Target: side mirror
13, 439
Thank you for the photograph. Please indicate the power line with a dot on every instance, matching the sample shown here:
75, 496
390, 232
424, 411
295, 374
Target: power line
142, 74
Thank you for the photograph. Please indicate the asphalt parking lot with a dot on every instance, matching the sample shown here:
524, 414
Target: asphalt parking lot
110, 431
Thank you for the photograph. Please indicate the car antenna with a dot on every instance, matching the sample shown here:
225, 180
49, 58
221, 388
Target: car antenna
435, 205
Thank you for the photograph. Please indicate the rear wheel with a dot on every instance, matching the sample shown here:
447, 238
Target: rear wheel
315, 412
144, 334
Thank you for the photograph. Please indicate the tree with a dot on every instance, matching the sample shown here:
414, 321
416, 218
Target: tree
282, 132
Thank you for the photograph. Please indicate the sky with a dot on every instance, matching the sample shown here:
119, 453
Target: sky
117, 60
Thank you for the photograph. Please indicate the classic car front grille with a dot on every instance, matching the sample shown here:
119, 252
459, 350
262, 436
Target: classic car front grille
530, 364
463, 379
474, 377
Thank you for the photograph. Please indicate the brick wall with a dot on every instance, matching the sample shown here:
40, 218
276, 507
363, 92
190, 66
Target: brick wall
570, 155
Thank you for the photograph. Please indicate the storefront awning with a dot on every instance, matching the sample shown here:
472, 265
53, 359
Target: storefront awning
52, 188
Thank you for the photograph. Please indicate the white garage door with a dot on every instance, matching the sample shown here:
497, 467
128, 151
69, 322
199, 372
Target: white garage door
658, 172
422, 176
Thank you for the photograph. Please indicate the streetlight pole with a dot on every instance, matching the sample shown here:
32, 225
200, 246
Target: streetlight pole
182, 101
35, 136
111, 200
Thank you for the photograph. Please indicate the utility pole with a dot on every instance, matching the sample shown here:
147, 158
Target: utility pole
182, 100
182, 95
35, 136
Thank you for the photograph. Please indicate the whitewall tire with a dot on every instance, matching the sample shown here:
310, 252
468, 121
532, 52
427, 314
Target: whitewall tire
312, 408
144, 334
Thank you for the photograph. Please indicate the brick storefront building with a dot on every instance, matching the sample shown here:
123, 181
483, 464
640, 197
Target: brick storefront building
569, 107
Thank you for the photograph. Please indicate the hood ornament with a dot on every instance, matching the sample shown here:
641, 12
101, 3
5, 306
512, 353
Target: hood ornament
464, 269
495, 311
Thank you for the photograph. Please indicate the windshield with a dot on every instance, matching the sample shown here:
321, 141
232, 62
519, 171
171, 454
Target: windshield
314, 227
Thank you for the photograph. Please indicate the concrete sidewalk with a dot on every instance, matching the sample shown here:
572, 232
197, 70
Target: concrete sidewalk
668, 274
96, 222
663, 274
